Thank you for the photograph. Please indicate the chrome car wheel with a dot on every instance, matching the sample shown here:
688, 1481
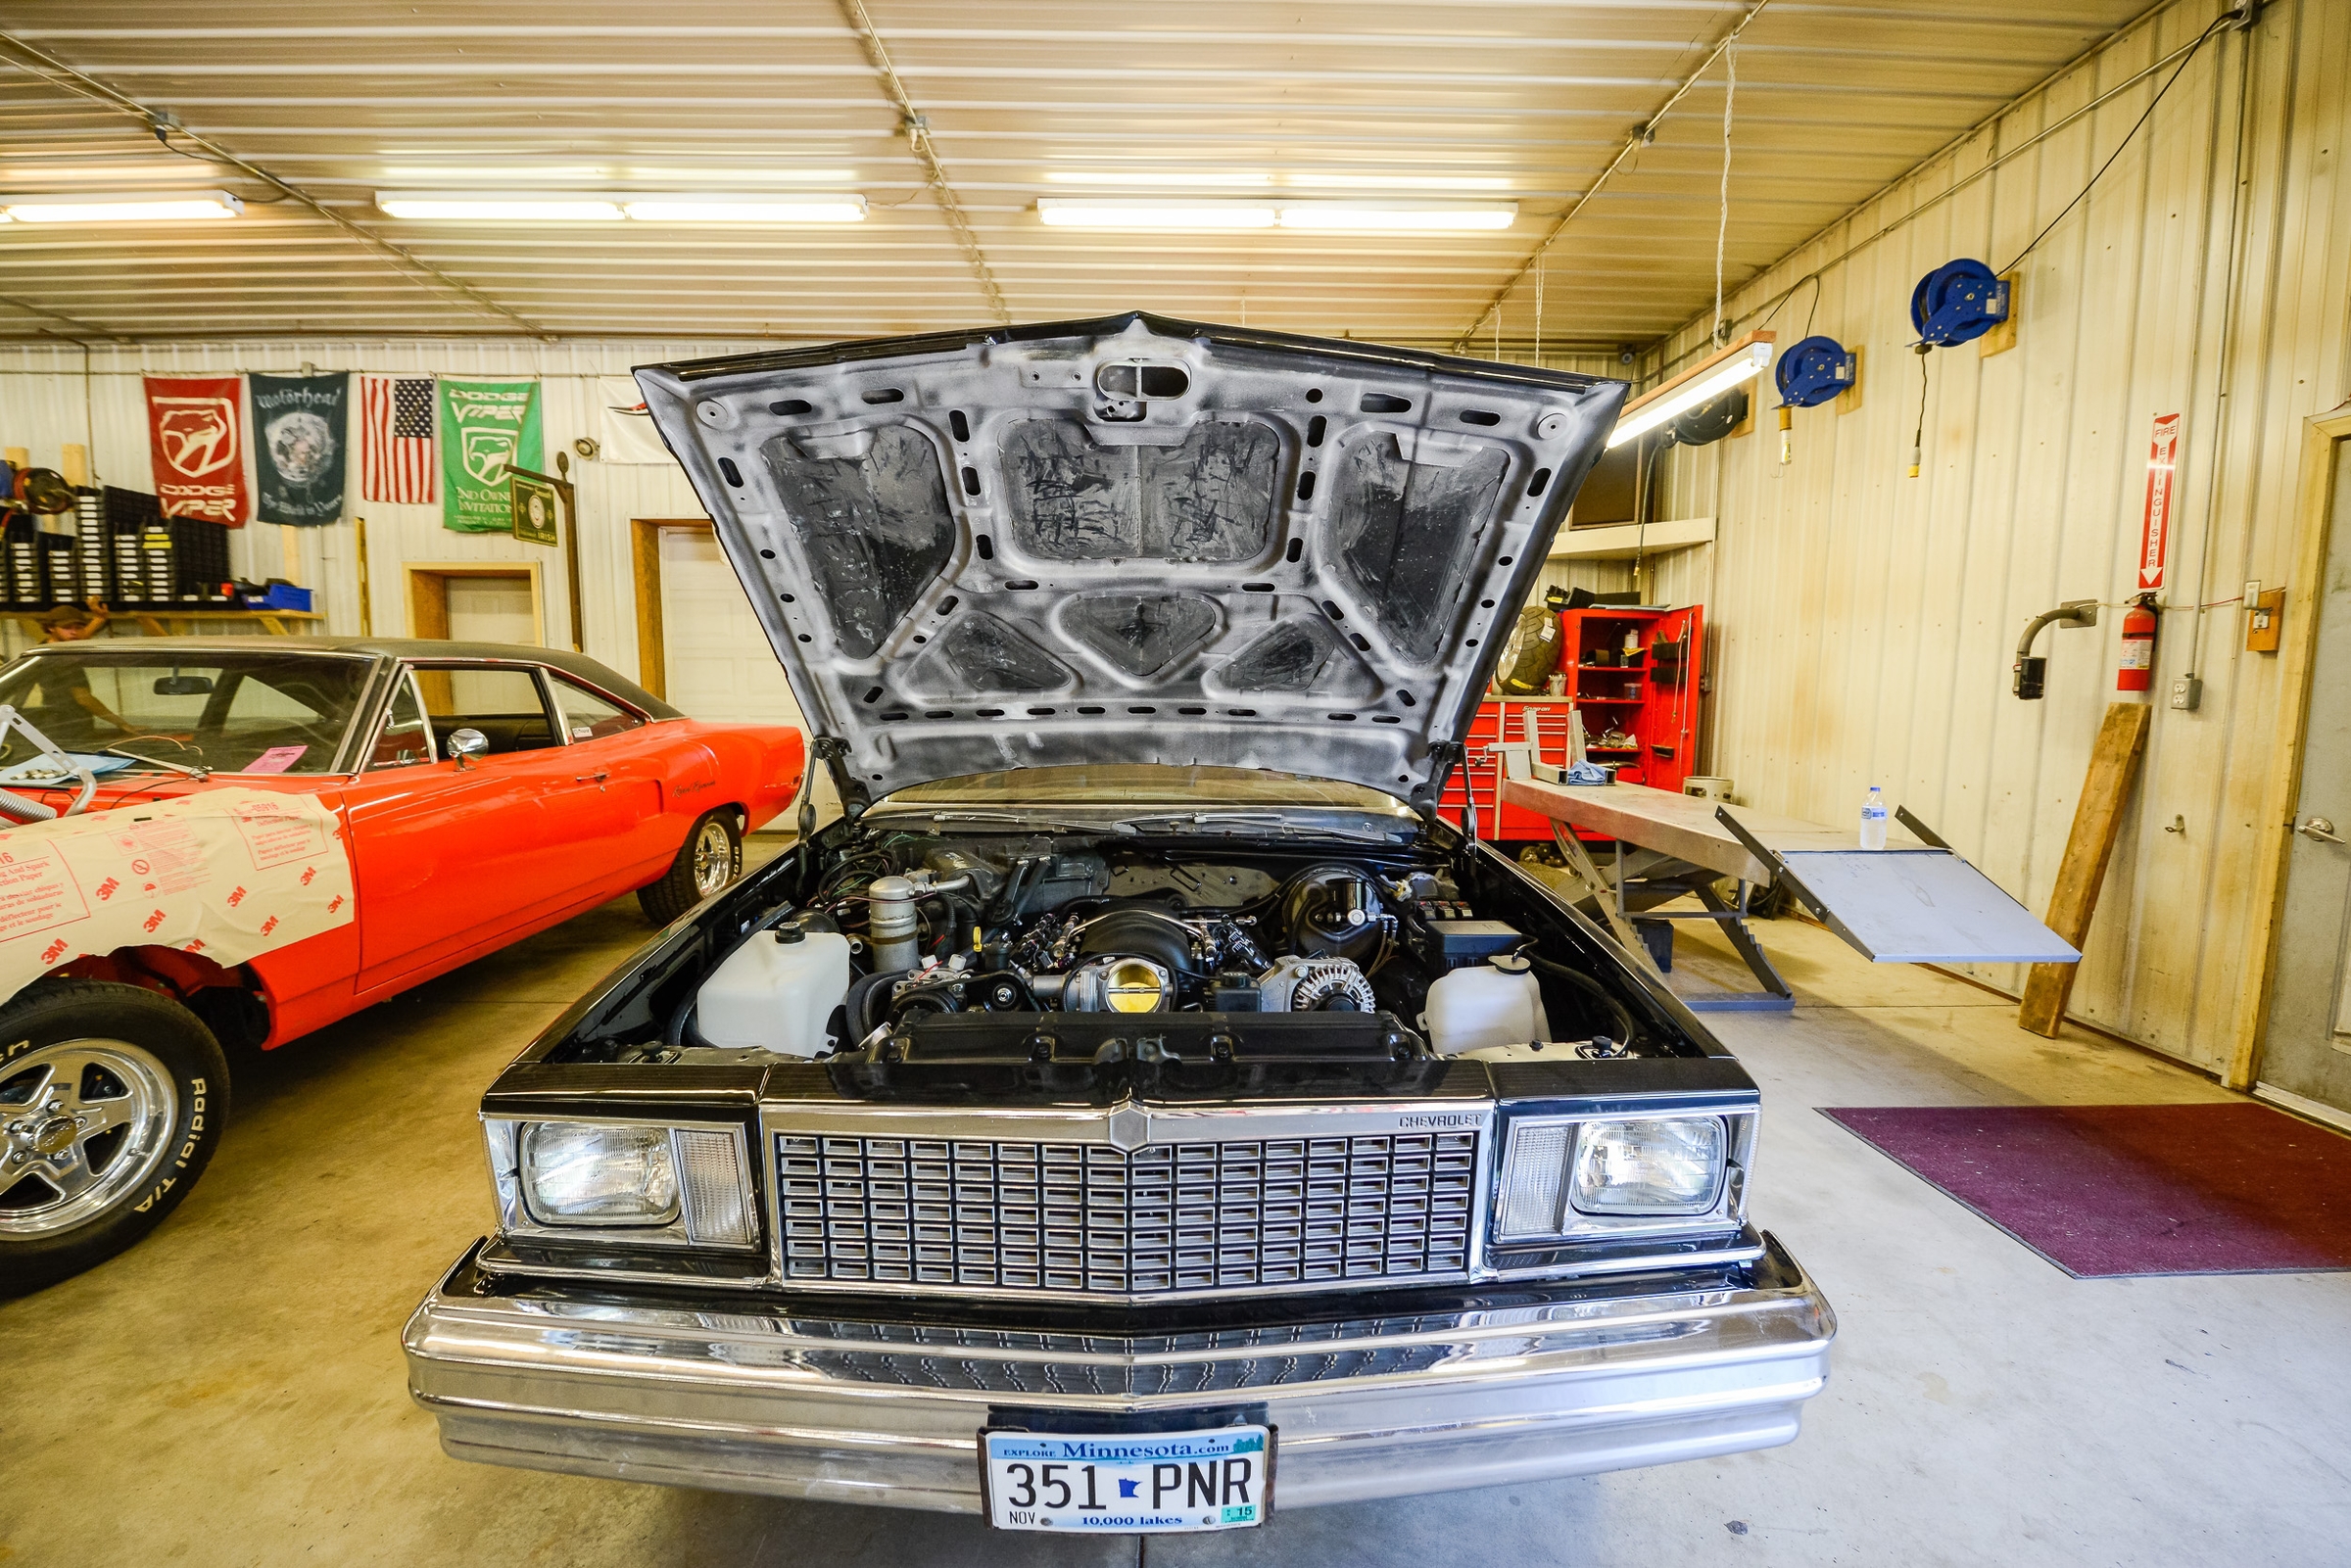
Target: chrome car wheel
82, 1124
713, 858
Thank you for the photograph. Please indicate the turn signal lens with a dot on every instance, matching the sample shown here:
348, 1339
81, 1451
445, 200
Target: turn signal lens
583, 1174
717, 1194
1532, 1174
1665, 1166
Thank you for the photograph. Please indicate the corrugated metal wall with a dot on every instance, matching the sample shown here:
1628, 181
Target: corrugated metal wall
1867, 621
42, 405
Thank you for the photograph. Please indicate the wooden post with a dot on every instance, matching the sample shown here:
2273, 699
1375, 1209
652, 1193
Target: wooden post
366, 588
2113, 763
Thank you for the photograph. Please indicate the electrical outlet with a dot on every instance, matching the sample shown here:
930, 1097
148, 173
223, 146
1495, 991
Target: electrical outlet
2188, 693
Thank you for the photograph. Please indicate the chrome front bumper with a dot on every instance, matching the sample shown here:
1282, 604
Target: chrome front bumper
1516, 1384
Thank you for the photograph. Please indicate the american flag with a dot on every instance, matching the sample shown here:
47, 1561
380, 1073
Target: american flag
396, 446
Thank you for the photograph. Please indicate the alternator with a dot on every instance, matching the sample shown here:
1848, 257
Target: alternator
1296, 984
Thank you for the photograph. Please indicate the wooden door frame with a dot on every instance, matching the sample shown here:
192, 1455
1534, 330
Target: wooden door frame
414, 576
645, 567
2313, 515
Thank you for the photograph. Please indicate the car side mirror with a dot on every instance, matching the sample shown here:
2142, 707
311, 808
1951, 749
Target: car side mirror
466, 745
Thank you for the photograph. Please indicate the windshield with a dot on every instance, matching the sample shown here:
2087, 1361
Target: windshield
239, 712
1147, 785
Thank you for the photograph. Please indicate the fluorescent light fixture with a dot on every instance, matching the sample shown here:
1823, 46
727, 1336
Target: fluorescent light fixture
1060, 212
676, 207
1398, 217
1398, 182
1161, 178
1328, 217
767, 208
1701, 383
122, 206
497, 207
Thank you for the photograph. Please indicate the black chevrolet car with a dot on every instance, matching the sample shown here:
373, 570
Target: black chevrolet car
1140, 1112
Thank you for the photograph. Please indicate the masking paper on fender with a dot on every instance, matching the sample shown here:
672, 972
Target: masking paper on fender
229, 874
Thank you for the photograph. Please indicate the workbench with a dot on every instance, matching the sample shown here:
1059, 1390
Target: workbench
1915, 901
182, 622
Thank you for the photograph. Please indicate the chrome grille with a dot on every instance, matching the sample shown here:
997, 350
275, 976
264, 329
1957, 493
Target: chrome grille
1089, 1218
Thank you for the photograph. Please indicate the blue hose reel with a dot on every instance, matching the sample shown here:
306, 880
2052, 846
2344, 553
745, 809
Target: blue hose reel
1813, 371
1957, 303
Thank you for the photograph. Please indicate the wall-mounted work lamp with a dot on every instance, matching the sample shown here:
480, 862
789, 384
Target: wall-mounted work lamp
2030, 669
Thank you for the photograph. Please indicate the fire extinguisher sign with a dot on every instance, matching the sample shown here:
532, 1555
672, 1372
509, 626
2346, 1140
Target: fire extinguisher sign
2155, 526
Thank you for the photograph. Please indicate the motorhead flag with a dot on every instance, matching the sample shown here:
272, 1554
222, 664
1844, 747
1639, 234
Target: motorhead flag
300, 430
196, 435
486, 428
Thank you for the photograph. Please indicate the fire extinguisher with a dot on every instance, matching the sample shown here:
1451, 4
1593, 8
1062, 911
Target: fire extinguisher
2137, 670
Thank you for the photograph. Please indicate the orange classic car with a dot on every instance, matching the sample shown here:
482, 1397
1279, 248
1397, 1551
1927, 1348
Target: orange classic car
230, 842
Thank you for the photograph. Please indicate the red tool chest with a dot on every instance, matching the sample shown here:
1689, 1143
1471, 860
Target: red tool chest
1649, 698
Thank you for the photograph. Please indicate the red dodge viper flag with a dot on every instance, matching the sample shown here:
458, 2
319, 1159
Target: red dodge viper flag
196, 431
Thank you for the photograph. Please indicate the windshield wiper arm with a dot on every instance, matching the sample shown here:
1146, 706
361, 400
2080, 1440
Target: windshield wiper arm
1257, 819
1022, 819
199, 772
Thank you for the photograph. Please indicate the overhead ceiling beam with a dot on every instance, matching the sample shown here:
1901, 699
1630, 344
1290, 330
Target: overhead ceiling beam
918, 135
1641, 137
58, 73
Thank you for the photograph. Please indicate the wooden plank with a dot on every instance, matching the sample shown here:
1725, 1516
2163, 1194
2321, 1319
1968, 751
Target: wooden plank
2000, 339
645, 571
2274, 828
2113, 764
1850, 400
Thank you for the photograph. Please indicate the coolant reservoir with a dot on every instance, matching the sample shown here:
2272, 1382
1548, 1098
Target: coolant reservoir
1481, 1005
776, 992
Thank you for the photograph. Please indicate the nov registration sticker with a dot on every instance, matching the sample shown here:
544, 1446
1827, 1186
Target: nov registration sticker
1157, 1482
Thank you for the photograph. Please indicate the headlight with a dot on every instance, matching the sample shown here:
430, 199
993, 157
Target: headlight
642, 1182
1591, 1177
579, 1173
1648, 1167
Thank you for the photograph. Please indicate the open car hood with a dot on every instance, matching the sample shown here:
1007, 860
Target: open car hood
1134, 539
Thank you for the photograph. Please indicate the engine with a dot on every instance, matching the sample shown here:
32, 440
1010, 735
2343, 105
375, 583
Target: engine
1051, 929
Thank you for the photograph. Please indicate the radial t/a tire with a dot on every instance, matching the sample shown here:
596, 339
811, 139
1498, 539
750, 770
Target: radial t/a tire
111, 1098
710, 859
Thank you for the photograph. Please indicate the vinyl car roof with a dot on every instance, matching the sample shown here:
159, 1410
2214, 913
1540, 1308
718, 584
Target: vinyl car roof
390, 647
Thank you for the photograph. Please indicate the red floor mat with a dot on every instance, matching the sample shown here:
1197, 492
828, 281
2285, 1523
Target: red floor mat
2103, 1190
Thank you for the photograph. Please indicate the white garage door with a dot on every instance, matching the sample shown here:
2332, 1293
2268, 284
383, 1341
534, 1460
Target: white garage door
717, 660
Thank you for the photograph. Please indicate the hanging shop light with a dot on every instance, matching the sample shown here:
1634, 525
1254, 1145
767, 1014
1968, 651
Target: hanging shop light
1702, 382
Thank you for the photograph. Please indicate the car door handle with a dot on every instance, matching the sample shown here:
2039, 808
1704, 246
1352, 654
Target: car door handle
2318, 828
596, 779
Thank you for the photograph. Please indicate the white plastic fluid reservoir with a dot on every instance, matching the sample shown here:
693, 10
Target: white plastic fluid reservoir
776, 992
1479, 1005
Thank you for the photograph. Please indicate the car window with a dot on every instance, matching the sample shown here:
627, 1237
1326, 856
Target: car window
502, 702
406, 738
260, 712
587, 716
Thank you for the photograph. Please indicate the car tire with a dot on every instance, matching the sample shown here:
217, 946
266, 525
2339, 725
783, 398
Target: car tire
710, 859
111, 1098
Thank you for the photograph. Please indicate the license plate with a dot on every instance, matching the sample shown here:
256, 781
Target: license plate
1128, 1483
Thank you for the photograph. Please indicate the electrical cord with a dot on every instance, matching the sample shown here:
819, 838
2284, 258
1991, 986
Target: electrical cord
1918, 434
2137, 125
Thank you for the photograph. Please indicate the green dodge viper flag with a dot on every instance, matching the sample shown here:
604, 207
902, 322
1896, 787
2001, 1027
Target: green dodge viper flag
486, 427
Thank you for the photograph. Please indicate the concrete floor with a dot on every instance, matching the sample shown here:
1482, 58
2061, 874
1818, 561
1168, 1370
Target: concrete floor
232, 1391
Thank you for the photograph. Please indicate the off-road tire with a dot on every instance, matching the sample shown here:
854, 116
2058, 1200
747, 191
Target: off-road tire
44, 1027
689, 877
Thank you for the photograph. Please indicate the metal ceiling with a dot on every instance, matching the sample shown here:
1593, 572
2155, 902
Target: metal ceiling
1520, 100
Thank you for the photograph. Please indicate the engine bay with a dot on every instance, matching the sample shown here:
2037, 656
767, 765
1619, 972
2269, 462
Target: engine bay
898, 931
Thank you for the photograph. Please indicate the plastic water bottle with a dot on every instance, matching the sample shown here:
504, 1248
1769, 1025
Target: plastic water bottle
1873, 819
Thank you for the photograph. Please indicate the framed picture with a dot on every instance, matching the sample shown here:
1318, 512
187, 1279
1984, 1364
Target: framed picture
536, 511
